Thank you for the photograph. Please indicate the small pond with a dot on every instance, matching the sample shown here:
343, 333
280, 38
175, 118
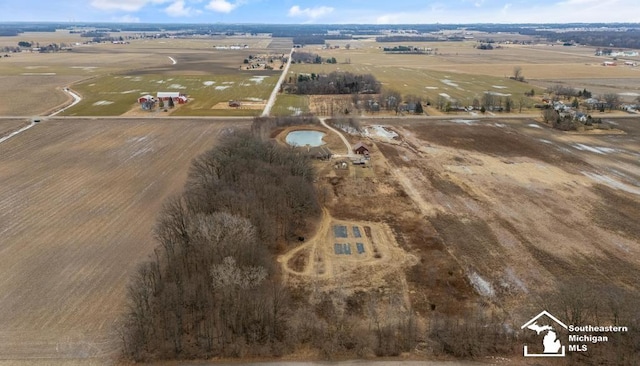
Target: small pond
303, 138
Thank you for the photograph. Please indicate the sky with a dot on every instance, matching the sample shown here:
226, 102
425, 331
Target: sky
323, 12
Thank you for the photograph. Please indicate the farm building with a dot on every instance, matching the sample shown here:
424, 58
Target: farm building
146, 98
360, 148
176, 96
319, 152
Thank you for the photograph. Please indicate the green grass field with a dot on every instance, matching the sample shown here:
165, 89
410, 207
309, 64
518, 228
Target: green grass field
115, 95
429, 84
289, 104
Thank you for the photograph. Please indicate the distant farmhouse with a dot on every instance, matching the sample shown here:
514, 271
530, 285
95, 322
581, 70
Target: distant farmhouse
177, 97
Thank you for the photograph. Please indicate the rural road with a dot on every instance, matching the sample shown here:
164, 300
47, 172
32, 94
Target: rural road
3, 139
76, 99
274, 93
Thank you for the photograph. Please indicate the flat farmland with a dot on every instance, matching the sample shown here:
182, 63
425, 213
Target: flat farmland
523, 208
461, 71
118, 94
78, 200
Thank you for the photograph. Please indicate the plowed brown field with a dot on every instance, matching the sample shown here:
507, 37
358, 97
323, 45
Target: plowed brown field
78, 200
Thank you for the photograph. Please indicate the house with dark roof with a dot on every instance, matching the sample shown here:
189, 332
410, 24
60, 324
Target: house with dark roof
360, 148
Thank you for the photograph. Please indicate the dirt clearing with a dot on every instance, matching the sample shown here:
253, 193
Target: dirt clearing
517, 208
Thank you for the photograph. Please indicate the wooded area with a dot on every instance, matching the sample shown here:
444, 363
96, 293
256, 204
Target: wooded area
211, 288
336, 83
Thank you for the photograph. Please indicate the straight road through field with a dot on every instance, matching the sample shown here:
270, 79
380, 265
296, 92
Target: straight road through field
274, 93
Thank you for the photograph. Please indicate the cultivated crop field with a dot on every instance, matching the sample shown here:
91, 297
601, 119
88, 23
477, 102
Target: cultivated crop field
78, 200
110, 77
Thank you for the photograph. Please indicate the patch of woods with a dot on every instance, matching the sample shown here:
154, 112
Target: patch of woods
311, 58
333, 83
211, 286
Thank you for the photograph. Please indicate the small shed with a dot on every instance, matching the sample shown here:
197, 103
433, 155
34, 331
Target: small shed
182, 99
360, 148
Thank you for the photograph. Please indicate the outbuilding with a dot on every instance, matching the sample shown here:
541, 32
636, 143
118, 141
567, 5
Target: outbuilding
360, 148
146, 98
166, 95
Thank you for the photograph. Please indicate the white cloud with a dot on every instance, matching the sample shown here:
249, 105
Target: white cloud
178, 9
124, 5
311, 13
126, 19
222, 6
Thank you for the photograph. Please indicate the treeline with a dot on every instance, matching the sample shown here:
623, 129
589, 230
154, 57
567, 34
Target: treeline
211, 288
628, 39
418, 39
311, 58
336, 83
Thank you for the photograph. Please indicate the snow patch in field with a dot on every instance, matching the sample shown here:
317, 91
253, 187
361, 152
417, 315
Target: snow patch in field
130, 91
160, 82
467, 122
38, 73
629, 94
449, 82
253, 99
208, 83
431, 87
229, 82
546, 141
220, 87
380, 131
102, 102
296, 111
446, 96
35, 67
85, 68
499, 86
501, 125
176, 86
258, 79
533, 125
512, 278
481, 285
597, 149
615, 184
498, 94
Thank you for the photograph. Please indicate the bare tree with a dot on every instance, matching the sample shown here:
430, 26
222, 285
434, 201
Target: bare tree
517, 74
612, 100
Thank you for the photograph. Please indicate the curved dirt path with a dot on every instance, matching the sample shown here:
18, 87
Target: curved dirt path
274, 93
344, 139
76, 99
